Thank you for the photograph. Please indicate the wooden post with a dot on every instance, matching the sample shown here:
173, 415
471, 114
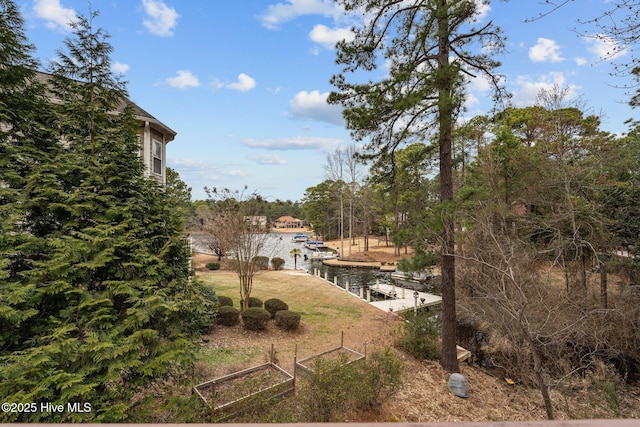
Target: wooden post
341, 339
368, 295
346, 285
326, 276
361, 292
213, 401
335, 280
377, 284
295, 365
402, 293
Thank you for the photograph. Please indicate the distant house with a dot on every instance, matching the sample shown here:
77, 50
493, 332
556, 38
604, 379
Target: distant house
288, 222
257, 220
152, 133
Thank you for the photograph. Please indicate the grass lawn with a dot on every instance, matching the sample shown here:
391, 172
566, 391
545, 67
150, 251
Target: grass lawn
326, 312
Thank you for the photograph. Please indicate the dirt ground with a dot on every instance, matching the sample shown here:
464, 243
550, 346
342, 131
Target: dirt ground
379, 250
424, 396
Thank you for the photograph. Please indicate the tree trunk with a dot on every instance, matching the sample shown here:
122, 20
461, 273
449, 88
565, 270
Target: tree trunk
583, 274
603, 287
544, 390
565, 269
446, 87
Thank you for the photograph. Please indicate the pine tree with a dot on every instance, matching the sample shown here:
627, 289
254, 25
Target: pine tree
428, 46
112, 304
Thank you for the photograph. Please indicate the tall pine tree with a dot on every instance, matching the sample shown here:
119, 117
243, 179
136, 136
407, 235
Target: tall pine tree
432, 48
112, 307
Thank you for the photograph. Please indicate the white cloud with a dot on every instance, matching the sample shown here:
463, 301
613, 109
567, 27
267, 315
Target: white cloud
56, 15
528, 89
279, 13
313, 105
483, 10
294, 143
480, 83
327, 37
183, 80
204, 170
244, 83
546, 50
119, 67
161, 19
470, 100
200, 174
216, 84
605, 47
268, 159
581, 61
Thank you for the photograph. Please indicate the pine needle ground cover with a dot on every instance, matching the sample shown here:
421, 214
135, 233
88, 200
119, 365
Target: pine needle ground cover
423, 396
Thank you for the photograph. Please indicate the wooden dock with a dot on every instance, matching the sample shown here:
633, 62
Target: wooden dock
399, 299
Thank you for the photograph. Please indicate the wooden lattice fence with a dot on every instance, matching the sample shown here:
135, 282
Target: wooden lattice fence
304, 366
238, 392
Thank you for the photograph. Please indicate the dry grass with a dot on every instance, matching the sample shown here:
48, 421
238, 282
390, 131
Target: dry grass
326, 311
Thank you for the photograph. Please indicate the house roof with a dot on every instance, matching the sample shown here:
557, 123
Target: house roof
139, 113
287, 218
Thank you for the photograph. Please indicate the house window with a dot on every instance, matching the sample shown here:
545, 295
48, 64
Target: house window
157, 157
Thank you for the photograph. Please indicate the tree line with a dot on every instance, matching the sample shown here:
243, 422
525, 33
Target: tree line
512, 193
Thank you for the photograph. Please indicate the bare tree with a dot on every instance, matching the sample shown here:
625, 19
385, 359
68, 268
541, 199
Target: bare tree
235, 224
334, 170
515, 298
355, 171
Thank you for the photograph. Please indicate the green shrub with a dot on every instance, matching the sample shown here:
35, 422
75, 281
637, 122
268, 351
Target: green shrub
420, 336
277, 263
262, 262
327, 390
381, 373
213, 265
253, 302
287, 320
255, 318
225, 301
201, 315
273, 305
228, 316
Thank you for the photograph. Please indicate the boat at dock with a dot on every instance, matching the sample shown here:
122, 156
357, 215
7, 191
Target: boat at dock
322, 253
313, 244
421, 276
300, 237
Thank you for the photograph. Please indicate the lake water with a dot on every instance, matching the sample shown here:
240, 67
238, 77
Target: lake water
277, 245
280, 245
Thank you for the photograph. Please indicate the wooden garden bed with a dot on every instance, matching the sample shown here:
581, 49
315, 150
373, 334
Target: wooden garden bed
237, 392
304, 366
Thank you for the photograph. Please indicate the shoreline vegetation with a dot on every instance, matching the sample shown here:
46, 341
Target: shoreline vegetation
380, 251
423, 397
326, 311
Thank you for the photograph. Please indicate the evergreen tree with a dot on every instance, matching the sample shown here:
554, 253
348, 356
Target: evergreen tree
429, 48
112, 307
26, 142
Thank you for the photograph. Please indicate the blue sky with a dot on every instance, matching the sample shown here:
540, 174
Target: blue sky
244, 82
